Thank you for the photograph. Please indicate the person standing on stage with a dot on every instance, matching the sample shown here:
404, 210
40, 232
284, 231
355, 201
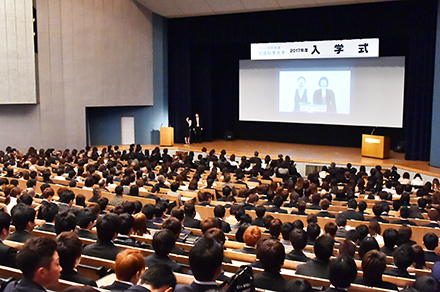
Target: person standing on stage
188, 137
198, 130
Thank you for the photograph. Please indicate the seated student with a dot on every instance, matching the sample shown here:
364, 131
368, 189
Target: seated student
160, 184
159, 212
430, 240
159, 278
405, 234
7, 254
278, 202
23, 218
351, 211
341, 222
342, 265
211, 222
69, 248
367, 244
205, 199
404, 215
313, 231
125, 231
86, 219
38, 260
251, 202
286, 227
426, 284
163, 243
301, 206
275, 228
318, 267
251, 236
219, 212
298, 239
377, 211
403, 258
260, 211
325, 203
66, 200
297, 285
190, 213
347, 247
175, 226
129, 266
433, 216
107, 227
65, 221
374, 264
271, 254
48, 212
390, 237
353, 236
148, 211
205, 260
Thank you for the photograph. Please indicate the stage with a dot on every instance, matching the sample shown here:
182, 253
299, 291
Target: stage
305, 153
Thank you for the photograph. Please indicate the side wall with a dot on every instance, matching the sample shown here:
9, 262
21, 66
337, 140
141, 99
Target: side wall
91, 53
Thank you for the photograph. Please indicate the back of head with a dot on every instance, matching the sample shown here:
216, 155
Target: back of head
377, 209
352, 235
21, 215
260, 211
205, 259
285, 230
159, 276
252, 235
108, 226
352, 204
426, 284
430, 240
323, 247
390, 237
342, 265
271, 254
208, 223
69, 248
163, 242
275, 228
362, 230
127, 222
174, 225
403, 256
128, 263
341, 220
48, 212
313, 230
374, 264
298, 285
298, 238
367, 244
347, 247
37, 252
148, 210
5, 221
330, 228
189, 209
65, 221
84, 217
219, 211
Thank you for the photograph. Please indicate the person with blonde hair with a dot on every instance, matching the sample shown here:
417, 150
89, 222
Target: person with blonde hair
251, 236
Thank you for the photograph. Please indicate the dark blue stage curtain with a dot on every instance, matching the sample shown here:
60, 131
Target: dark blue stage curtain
204, 54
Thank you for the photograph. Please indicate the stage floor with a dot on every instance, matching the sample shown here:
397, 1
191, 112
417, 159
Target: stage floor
306, 153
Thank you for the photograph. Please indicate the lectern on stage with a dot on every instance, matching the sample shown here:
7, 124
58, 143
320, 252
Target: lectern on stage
375, 146
166, 136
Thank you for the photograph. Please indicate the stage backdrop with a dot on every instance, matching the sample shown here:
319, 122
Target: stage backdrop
204, 54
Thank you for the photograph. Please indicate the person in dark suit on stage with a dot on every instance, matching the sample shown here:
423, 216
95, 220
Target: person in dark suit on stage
108, 227
342, 265
300, 94
129, 267
159, 278
7, 254
197, 129
324, 96
69, 250
318, 267
205, 260
23, 218
190, 213
38, 261
189, 130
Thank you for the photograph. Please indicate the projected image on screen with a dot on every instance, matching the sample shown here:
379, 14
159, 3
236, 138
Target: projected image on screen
314, 91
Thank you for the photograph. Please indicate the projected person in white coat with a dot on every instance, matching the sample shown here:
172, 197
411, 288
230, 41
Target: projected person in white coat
324, 96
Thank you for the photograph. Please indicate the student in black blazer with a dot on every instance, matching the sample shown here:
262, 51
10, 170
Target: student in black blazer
86, 219
271, 254
108, 227
159, 278
23, 218
190, 213
129, 266
7, 254
48, 212
342, 271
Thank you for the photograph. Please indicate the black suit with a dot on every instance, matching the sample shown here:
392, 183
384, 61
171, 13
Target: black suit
225, 226
7, 255
314, 268
379, 219
404, 221
399, 273
20, 236
102, 249
191, 222
432, 225
298, 213
85, 233
24, 285
258, 222
73, 276
47, 227
137, 288
247, 250
155, 259
269, 281
117, 286
352, 214
194, 287
151, 225
297, 255
431, 256
276, 210
325, 213
379, 284
388, 251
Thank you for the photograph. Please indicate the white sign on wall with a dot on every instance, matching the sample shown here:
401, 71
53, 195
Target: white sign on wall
358, 48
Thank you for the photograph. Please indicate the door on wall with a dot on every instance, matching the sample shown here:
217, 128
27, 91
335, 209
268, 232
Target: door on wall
127, 130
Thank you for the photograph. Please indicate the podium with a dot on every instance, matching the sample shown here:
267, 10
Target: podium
166, 136
375, 146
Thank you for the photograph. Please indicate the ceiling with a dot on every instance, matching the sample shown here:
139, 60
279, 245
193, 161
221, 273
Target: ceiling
186, 8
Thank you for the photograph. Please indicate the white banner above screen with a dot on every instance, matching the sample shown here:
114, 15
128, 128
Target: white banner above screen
358, 48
